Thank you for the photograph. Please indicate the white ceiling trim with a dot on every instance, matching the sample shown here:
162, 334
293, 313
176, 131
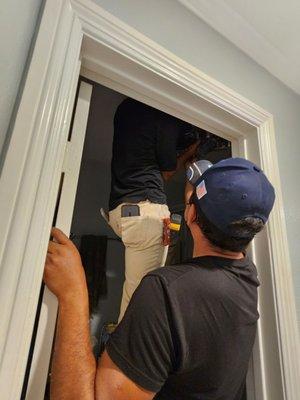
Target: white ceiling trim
241, 33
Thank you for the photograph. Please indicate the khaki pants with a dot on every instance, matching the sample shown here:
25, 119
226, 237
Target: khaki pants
142, 237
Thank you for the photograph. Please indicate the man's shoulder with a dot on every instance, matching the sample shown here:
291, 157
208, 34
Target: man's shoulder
208, 274
188, 281
171, 274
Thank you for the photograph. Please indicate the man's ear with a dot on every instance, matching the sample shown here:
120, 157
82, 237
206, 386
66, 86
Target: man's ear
190, 215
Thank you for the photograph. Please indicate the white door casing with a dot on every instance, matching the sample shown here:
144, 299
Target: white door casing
47, 318
33, 164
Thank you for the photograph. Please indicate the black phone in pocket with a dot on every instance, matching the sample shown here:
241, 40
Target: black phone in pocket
130, 210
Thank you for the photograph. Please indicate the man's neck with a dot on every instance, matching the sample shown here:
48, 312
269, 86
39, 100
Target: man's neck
202, 247
224, 254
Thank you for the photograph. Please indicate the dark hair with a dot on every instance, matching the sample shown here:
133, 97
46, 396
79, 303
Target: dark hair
242, 231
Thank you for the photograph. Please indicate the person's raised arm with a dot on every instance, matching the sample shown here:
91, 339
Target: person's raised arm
182, 160
169, 130
73, 365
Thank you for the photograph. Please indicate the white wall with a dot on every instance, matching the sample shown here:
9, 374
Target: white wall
174, 27
18, 20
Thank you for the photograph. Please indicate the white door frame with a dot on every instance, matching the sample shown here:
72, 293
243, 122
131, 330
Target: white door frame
43, 341
33, 163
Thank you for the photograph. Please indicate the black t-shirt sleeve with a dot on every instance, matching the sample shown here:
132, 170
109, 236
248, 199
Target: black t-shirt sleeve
168, 128
142, 345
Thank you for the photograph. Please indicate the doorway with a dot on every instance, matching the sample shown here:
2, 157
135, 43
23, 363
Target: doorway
93, 193
104, 262
102, 251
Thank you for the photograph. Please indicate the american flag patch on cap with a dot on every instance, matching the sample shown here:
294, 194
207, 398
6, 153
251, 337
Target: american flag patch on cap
201, 190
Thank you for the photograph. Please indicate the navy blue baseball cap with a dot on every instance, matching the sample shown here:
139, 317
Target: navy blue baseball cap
233, 189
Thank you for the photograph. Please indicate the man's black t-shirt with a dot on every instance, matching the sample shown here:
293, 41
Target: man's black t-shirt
144, 144
189, 330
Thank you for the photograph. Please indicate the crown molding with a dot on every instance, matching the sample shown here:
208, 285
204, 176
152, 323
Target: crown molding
243, 35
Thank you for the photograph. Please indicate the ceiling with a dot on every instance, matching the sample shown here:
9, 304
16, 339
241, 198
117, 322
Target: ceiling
267, 30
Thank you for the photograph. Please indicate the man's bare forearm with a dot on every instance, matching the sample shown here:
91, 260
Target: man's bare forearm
74, 365
181, 160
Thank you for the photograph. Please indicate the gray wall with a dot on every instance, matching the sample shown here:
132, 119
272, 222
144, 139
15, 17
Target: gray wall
18, 21
174, 27
171, 25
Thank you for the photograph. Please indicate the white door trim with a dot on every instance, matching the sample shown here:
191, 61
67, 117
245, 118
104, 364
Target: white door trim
39, 367
31, 171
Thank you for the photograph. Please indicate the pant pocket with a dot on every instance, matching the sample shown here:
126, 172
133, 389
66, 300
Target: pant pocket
133, 230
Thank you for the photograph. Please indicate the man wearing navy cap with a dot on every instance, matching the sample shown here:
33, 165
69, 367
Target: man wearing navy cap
189, 329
